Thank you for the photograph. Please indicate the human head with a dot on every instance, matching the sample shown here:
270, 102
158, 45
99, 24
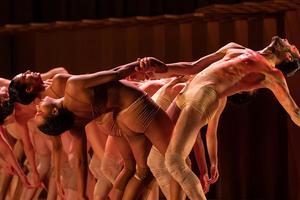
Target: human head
287, 55
25, 87
6, 106
52, 118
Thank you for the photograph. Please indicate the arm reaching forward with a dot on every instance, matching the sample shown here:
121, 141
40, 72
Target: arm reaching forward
275, 81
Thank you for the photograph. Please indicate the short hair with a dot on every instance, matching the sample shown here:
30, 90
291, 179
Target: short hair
288, 68
57, 124
6, 109
17, 93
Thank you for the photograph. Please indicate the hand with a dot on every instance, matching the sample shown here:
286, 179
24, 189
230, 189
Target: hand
138, 76
151, 64
205, 182
214, 174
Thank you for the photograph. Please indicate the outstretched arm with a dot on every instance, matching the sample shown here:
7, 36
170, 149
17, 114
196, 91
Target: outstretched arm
91, 80
276, 82
187, 68
190, 68
212, 140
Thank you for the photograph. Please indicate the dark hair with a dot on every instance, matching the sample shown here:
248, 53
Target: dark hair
241, 98
17, 93
6, 108
289, 68
57, 124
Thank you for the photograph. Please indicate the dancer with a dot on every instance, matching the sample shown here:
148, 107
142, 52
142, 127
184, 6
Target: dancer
88, 96
204, 98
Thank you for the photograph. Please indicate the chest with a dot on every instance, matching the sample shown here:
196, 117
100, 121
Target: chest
253, 78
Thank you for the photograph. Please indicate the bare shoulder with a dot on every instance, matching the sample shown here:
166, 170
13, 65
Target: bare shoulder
4, 82
75, 83
231, 45
254, 58
61, 79
74, 80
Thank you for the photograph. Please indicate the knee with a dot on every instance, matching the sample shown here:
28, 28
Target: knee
142, 173
155, 160
101, 190
129, 167
175, 163
111, 167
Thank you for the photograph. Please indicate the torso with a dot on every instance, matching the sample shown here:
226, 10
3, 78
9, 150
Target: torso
240, 70
89, 104
42, 144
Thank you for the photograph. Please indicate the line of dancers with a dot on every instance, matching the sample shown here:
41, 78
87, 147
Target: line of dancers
133, 136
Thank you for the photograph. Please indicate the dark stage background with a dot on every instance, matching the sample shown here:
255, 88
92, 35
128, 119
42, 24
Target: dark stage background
258, 143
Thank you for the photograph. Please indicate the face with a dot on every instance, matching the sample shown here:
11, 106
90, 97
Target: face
290, 51
32, 79
288, 56
47, 107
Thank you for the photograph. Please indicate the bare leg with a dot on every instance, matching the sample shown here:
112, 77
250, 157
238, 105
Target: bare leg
192, 118
128, 170
103, 185
140, 146
112, 161
182, 141
159, 133
154, 193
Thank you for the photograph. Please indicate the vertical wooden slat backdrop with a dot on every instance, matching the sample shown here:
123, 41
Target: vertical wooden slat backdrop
93, 49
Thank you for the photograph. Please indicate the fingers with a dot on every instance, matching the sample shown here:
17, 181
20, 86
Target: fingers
214, 175
205, 183
144, 63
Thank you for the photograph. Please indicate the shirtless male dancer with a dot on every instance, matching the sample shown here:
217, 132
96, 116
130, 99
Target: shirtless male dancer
204, 97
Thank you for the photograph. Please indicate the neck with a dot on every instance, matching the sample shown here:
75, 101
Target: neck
269, 56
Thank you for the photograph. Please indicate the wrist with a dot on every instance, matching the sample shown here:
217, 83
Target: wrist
214, 164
